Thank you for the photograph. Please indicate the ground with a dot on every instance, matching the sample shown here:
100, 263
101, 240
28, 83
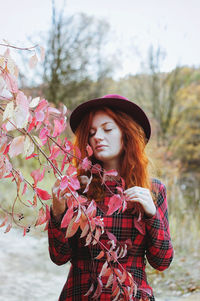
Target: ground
27, 273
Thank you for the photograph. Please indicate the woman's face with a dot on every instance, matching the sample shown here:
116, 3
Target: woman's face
105, 138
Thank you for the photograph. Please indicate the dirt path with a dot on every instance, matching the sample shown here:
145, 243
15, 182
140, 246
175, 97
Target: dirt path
27, 273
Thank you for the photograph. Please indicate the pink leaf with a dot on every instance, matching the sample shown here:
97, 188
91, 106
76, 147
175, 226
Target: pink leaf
90, 290
24, 189
59, 127
85, 230
44, 195
97, 236
88, 239
41, 217
47, 212
74, 183
31, 156
86, 164
17, 146
39, 116
67, 218
114, 204
37, 176
64, 183
43, 135
98, 290
89, 150
111, 236
42, 105
4, 222
72, 228
8, 228
104, 269
96, 168
11, 82
111, 172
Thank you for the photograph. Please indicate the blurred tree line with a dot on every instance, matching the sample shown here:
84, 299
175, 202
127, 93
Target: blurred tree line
77, 68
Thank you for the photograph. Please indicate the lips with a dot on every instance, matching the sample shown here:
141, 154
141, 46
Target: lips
100, 146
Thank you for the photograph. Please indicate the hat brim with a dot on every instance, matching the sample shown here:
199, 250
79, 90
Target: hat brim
120, 104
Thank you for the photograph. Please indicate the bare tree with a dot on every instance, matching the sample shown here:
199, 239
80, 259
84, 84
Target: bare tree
74, 57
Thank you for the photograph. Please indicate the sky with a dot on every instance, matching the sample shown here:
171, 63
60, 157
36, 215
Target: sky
135, 25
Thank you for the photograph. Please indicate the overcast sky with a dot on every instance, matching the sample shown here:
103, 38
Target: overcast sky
172, 24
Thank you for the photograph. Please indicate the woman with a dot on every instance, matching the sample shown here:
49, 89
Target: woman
117, 130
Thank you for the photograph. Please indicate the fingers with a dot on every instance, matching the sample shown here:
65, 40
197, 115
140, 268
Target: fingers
136, 192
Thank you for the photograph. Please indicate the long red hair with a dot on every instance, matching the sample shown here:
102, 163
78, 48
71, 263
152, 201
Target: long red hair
133, 160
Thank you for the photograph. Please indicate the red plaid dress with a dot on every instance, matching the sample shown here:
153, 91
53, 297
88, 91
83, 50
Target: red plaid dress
151, 241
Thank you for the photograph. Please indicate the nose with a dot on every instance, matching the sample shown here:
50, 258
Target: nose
98, 135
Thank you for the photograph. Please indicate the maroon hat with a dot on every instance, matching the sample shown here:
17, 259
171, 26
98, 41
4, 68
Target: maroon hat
114, 102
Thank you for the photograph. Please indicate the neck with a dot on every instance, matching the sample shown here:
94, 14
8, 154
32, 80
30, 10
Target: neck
111, 165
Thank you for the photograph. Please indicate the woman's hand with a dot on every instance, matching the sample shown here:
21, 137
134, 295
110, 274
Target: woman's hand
59, 203
142, 196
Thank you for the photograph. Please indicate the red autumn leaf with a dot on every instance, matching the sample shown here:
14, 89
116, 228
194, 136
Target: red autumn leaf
55, 151
114, 204
24, 189
97, 236
110, 280
91, 210
47, 212
11, 82
84, 229
72, 228
43, 135
67, 218
37, 175
41, 217
8, 228
89, 150
111, 172
43, 194
88, 238
124, 276
4, 222
98, 290
74, 183
101, 254
86, 164
111, 236
17, 146
31, 156
59, 127
96, 168
77, 152
90, 290
114, 255
104, 269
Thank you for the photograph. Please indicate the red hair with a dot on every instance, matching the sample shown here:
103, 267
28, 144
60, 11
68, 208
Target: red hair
133, 160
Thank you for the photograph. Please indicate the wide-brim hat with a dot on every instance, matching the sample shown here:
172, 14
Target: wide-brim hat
114, 102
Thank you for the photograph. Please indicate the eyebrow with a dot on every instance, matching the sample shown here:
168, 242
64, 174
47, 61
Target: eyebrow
103, 124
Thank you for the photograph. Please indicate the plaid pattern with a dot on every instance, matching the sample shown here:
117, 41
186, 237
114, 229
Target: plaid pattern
153, 243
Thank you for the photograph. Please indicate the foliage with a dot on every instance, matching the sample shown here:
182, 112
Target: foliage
74, 58
32, 128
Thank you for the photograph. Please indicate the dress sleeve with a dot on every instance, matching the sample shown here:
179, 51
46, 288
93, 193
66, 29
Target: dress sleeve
159, 247
59, 248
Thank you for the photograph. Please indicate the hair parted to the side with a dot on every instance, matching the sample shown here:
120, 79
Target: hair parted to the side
134, 161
